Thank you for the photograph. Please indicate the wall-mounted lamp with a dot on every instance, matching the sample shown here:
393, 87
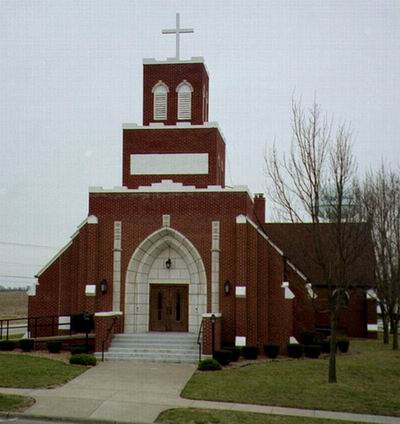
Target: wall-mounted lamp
168, 263
227, 287
103, 286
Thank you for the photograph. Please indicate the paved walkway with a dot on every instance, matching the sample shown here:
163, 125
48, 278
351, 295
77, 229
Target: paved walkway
132, 392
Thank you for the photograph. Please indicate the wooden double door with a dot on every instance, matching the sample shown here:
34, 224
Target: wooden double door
168, 307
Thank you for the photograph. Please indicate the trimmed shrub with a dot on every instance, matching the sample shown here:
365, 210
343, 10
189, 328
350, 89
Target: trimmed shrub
295, 350
310, 338
54, 346
235, 353
8, 345
312, 351
209, 365
27, 344
223, 356
271, 350
76, 350
250, 352
343, 345
83, 359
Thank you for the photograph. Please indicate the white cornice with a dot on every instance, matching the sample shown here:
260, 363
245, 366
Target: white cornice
174, 60
169, 186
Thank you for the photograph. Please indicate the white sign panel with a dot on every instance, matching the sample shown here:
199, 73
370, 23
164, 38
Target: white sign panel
169, 164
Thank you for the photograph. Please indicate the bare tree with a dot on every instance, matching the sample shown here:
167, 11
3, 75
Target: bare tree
381, 198
315, 184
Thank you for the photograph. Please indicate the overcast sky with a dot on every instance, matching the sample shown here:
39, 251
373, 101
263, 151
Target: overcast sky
71, 74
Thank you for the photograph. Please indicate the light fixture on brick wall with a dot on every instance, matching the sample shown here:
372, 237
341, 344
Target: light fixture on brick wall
103, 286
227, 287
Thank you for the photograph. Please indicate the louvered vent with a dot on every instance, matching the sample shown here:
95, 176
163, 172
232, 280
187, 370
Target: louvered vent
184, 105
160, 106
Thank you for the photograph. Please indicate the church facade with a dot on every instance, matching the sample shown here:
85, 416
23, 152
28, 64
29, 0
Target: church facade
173, 247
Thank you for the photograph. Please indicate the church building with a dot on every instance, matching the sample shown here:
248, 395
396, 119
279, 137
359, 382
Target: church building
174, 250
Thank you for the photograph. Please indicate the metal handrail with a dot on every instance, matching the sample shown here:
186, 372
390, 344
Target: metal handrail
106, 338
33, 324
199, 338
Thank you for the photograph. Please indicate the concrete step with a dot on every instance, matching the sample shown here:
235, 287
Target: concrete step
154, 346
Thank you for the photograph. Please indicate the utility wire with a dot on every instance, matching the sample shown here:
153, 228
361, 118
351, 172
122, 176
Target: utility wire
17, 276
8, 243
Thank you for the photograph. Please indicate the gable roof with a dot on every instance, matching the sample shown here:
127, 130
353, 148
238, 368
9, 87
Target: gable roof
297, 243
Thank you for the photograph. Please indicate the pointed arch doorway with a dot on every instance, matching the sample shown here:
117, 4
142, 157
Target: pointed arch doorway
161, 298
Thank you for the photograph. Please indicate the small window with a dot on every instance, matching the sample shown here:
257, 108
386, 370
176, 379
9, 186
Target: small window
160, 92
184, 91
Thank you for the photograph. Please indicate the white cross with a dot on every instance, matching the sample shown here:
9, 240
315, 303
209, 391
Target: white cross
177, 31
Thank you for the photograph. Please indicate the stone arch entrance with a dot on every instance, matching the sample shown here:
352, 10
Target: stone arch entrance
146, 267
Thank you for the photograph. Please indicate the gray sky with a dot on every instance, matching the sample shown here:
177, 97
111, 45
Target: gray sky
71, 74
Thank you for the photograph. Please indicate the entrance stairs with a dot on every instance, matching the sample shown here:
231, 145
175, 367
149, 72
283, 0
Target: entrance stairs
154, 347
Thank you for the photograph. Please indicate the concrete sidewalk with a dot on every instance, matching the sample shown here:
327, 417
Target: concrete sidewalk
133, 392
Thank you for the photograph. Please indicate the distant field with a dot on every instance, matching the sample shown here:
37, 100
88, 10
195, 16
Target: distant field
13, 304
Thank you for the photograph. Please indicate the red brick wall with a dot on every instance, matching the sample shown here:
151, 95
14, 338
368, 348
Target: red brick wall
172, 75
159, 141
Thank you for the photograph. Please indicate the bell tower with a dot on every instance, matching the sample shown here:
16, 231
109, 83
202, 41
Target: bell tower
176, 141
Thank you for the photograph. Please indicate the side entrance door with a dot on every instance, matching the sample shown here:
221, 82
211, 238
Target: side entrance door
168, 307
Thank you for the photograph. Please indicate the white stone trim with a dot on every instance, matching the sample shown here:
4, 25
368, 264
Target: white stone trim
90, 290
372, 327
174, 60
240, 292
92, 219
288, 293
215, 253
209, 315
63, 321
240, 341
169, 164
160, 84
241, 219
168, 186
138, 280
108, 314
166, 220
116, 289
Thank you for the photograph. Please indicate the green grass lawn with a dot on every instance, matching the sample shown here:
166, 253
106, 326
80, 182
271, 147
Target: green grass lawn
25, 371
368, 382
14, 403
209, 416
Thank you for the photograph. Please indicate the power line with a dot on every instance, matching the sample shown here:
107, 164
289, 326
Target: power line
18, 263
8, 243
17, 276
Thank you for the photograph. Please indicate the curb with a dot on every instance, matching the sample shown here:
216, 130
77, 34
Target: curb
22, 415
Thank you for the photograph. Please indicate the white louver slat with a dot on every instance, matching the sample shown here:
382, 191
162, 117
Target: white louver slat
160, 106
184, 105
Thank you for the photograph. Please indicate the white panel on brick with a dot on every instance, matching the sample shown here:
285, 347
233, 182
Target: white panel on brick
117, 266
169, 164
215, 239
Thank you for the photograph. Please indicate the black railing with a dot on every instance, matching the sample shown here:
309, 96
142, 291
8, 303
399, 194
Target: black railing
200, 338
36, 325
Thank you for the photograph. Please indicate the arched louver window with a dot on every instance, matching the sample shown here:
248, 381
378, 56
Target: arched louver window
160, 92
184, 91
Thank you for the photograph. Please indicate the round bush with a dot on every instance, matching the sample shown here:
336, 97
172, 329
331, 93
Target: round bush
343, 345
8, 345
76, 350
83, 359
209, 365
223, 356
271, 350
250, 352
312, 351
54, 346
27, 344
295, 350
